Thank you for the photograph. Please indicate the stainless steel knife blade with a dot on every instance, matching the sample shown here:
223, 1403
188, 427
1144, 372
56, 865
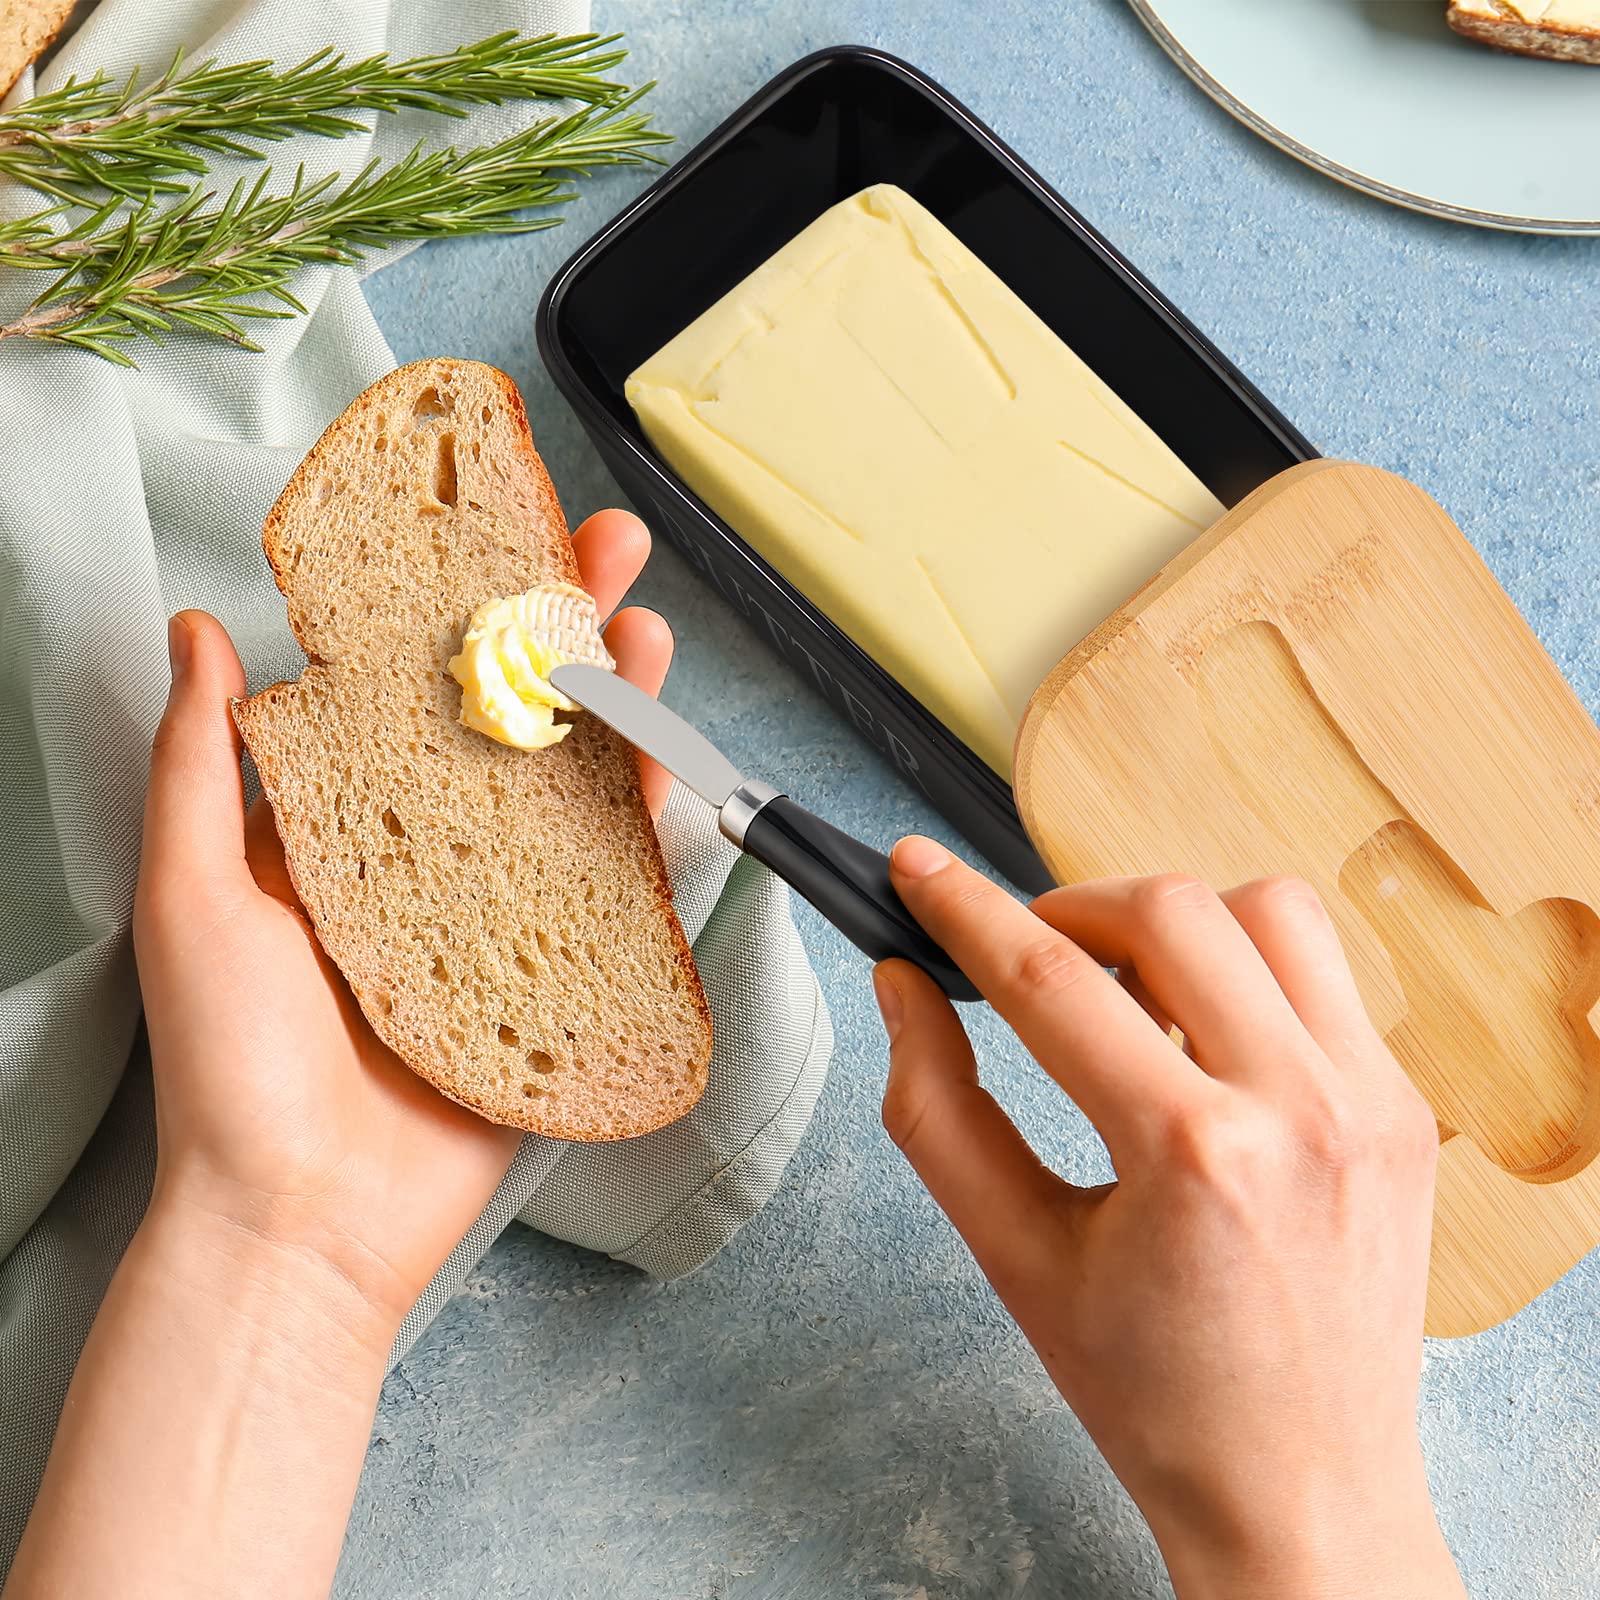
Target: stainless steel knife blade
644, 722
847, 881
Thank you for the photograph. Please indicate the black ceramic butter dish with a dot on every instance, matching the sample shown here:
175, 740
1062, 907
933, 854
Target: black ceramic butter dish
829, 126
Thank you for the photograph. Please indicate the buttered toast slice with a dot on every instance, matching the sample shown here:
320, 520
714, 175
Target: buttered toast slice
1565, 30
503, 916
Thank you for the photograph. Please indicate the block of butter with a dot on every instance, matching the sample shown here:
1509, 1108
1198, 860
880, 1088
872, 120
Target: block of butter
885, 422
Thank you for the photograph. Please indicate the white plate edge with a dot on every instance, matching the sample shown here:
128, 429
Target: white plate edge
1360, 181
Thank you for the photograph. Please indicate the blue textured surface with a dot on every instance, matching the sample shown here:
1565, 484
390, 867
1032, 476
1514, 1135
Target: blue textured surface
836, 1405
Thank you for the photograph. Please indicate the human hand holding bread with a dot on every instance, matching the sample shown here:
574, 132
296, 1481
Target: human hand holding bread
277, 1103
308, 1186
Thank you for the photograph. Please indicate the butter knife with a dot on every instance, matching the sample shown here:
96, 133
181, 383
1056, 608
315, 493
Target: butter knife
847, 881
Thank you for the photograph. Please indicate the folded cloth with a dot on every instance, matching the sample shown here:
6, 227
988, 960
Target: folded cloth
125, 495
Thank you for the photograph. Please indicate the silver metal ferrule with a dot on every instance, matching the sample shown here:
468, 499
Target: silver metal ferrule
739, 809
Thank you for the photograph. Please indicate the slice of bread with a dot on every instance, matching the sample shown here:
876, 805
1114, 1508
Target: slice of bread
502, 916
1564, 30
26, 28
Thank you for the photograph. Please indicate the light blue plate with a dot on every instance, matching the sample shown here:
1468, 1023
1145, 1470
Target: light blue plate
1382, 95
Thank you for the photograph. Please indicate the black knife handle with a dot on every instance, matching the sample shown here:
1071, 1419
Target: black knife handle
848, 882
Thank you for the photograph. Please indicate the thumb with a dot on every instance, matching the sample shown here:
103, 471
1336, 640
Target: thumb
966, 1150
194, 807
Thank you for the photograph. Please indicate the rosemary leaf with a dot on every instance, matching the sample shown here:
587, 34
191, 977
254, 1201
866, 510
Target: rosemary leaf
137, 141
215, 268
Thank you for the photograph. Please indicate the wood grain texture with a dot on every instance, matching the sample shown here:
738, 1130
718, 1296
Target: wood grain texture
1330, 682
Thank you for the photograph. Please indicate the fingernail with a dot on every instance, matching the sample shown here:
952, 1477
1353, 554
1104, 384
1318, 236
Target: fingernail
918, 857
889, 1001
179, 644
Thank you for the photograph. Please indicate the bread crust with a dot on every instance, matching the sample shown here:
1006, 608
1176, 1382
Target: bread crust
38, 24
572, 1115
1554, 40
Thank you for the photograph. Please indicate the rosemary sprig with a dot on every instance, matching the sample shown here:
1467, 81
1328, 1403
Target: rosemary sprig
139, 140
214, 268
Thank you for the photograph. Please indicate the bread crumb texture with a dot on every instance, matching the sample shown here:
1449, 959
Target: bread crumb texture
502, 916
26, 27
1563, 30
